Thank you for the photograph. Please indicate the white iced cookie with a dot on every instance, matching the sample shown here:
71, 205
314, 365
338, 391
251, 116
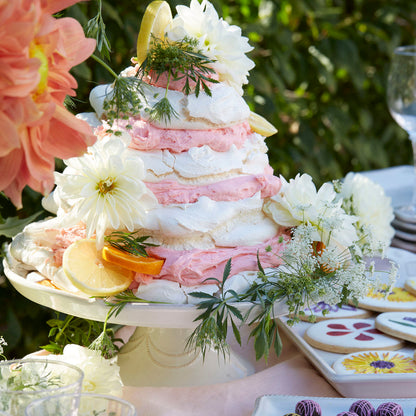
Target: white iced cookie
398, 299
375, 362
334, 312
349, 335
398, 324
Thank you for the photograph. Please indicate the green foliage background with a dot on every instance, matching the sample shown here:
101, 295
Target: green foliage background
320, 78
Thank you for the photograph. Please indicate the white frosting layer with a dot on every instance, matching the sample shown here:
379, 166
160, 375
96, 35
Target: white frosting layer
201, 165
207, 223
175, 293
223, 108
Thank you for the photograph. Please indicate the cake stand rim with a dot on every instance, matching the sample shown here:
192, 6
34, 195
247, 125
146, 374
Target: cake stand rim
159, 315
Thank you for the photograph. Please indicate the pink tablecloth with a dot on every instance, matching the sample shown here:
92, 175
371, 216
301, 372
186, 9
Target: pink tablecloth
289, 374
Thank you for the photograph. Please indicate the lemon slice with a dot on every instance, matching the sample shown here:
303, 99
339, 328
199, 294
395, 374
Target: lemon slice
140, 264
89, 273
155, 20
260, 125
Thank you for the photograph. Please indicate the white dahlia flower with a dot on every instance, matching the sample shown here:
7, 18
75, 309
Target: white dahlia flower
217, 40
298, 202
367, 201
101, 375
104, 188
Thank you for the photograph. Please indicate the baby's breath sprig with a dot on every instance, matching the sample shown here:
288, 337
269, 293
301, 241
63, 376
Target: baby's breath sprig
129, 242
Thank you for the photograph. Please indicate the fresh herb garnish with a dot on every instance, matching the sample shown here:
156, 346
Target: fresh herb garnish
80, 331
129, 242
212, 331
179, 61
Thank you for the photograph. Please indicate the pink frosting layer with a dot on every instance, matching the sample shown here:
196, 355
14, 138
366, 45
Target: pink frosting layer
192, 267
234, 189
145, 136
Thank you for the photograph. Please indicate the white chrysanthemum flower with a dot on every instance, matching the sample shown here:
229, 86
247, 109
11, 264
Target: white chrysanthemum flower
298, 202
101, 375
368, 202
105, 189
217, 40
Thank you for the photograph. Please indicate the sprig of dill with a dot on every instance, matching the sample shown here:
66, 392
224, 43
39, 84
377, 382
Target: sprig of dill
129, 242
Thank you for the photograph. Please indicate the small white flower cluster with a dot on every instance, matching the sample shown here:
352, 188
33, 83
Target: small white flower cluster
105, 189
367, 201
217, 40
3, 343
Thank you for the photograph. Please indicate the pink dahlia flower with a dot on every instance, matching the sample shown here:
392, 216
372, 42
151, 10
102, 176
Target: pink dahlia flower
36, 53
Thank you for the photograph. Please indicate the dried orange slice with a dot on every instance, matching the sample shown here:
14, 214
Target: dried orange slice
140, 264
260, 125
155, 20
90, 273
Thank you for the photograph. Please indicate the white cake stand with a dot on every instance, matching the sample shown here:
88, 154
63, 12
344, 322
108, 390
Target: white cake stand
155, 354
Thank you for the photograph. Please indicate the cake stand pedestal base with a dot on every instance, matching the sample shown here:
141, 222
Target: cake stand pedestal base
157, 357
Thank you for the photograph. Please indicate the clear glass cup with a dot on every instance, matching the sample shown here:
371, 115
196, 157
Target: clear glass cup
401, 100
22, 381
84, 404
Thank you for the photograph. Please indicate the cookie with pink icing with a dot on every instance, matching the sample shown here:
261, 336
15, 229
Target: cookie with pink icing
349, 335
398, 324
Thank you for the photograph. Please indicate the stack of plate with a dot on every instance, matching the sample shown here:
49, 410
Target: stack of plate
405, 231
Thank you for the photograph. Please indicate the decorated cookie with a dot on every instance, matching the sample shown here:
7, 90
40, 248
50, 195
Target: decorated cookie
389, 409
410, 285
374, 362
308, 408
334, 311
398, 299
398, 324
349, 335
363, 408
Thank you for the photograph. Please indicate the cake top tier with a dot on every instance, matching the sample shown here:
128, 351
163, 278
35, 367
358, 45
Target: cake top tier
205, 39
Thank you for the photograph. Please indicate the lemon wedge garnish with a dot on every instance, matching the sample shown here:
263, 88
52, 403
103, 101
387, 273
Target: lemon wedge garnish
260, 125
90, 273
155, 20
140, 264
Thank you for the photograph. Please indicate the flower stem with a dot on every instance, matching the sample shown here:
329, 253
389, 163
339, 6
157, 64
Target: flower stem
107, 67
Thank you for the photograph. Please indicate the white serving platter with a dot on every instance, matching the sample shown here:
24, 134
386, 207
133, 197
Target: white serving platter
276, 405
361, 385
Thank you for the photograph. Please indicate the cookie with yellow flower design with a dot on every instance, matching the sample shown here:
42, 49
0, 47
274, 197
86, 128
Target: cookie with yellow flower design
410, 285
375, 362
398, 324
386, 299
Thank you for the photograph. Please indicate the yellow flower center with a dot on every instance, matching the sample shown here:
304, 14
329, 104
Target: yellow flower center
106, 185
36, 51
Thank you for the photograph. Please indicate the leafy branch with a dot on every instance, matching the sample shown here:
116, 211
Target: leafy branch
79, 331
218, 313
128, 242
